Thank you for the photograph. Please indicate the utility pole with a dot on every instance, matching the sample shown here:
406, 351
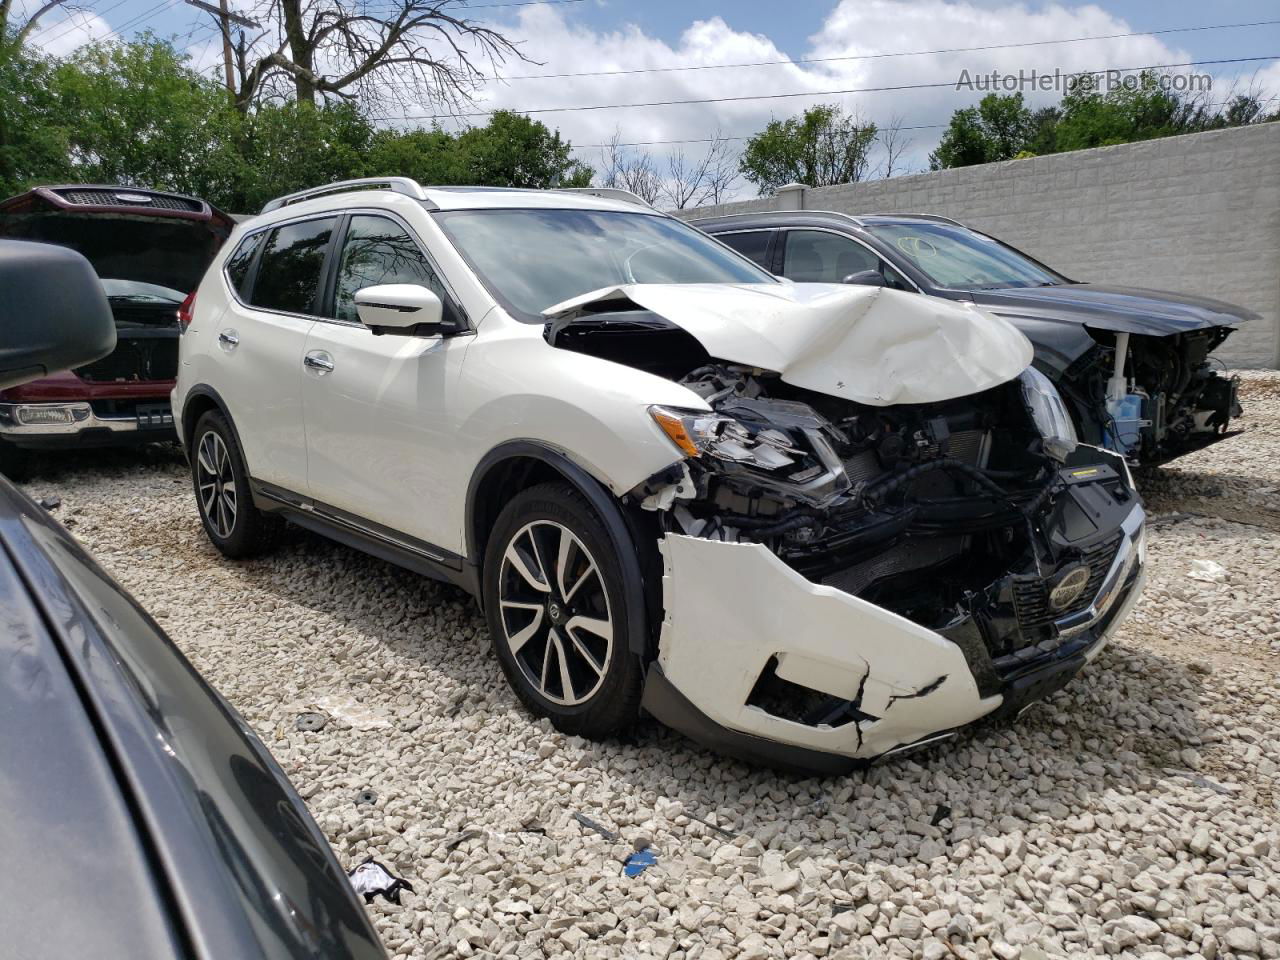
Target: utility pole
225, 19
230, 74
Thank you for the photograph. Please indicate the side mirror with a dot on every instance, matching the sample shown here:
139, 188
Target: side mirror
53, 312
866, 278
400, 309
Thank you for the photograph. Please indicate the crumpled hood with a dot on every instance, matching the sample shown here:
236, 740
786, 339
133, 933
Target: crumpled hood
870, 345
1129, 309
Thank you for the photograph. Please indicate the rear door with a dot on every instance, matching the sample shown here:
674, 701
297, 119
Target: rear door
379, 410
262, 337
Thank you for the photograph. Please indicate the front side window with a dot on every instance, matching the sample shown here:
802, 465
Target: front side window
958, 258
238, 263
289, 271
752, 244
378, 250
816, 256
532, 259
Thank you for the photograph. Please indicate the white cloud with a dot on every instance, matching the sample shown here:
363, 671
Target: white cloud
853, 28
63, 32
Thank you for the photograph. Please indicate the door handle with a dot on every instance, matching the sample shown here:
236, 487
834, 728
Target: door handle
319, 361
229, 339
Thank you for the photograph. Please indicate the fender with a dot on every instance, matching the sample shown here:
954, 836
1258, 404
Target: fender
602, 501
204, 390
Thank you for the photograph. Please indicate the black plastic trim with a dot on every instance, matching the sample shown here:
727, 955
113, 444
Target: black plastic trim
367, 536
669, 706
602, 501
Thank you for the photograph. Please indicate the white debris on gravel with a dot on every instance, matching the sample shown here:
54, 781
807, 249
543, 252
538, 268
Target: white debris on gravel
1136, 813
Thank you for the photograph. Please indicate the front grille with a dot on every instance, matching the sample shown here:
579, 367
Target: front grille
1031, 596
112, 198
143, 358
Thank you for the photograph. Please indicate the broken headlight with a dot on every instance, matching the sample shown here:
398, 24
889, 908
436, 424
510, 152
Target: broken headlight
699, 433
1049, 414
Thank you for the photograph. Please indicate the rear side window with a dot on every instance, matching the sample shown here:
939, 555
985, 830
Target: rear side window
752, 244
238, 263
289, 271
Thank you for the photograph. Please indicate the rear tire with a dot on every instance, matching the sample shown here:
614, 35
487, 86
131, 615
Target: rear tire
221, 483
558, 612
15, 463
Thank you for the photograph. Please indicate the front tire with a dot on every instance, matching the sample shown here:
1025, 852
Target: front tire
221, 482
558, 613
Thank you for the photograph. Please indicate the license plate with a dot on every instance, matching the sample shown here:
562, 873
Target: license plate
155, 415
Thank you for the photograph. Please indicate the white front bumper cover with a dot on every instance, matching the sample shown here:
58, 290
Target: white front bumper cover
731, 608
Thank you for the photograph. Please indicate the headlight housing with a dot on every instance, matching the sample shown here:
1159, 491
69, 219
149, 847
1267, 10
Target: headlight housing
1049, 413
698, 433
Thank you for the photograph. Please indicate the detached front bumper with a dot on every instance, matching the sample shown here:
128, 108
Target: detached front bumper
80, 424
735, 613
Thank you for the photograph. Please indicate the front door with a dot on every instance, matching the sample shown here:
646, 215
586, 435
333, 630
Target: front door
379, 409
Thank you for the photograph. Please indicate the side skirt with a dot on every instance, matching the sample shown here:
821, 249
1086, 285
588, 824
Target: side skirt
368, 537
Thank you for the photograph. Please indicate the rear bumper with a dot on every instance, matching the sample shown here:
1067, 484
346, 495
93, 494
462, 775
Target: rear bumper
735, 612
77, 424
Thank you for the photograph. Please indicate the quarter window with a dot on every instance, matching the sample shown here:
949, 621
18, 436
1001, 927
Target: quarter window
289, 271
376, 251
752, 244
238, 263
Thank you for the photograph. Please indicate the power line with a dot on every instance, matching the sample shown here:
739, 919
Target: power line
71, 27
884, 56
806, 93
918, 126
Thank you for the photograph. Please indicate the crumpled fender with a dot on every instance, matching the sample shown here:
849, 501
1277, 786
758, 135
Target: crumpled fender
870, 345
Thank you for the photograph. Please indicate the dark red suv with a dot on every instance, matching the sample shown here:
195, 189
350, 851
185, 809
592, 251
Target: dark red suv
150, 250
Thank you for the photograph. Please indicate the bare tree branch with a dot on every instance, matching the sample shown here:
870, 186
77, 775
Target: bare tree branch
895, 145
627, 169
400, 54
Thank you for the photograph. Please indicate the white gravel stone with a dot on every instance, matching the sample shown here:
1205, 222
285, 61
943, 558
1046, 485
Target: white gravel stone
1136, 810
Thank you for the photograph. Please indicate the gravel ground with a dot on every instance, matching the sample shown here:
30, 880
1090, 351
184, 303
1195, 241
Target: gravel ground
1136, 813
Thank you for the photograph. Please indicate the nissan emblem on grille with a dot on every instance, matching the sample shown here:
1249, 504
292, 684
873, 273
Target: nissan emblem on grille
1068, 587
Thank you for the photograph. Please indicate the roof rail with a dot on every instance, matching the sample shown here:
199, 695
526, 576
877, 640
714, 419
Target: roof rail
609, 193
402, 185
919, 216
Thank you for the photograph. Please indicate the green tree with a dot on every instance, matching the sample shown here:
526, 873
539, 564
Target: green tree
820, 148
512, 150
999, 128
295, 146
137, 114
31, 148
428, 156
1127, 113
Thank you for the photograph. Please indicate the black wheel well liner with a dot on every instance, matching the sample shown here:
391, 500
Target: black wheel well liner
199, 400
518, 464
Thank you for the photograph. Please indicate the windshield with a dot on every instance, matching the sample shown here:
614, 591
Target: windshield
959, 259
141, 292
532, 259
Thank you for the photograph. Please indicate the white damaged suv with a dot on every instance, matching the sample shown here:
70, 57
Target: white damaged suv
806, 524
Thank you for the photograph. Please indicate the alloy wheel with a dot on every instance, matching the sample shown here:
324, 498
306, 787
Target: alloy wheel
555, 612
216, 483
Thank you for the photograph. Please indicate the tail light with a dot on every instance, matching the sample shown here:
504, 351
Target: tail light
186, 312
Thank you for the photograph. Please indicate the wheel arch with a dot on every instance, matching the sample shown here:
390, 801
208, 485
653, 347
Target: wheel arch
199, 400
518, 464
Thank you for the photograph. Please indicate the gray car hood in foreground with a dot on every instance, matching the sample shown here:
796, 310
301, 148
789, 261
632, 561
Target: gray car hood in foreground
870, 345
1123, 309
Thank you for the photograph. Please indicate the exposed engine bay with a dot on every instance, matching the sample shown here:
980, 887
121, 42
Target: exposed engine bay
1000, 542
1163, 397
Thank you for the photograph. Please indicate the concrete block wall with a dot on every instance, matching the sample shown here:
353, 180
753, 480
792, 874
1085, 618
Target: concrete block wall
1196, 214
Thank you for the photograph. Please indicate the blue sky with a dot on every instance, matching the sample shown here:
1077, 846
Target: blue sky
625, 35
